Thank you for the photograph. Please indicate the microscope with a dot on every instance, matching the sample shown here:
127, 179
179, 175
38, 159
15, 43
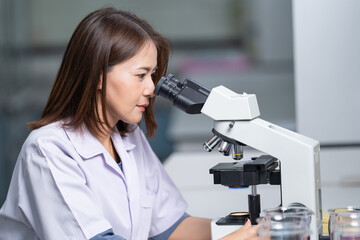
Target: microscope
292, 161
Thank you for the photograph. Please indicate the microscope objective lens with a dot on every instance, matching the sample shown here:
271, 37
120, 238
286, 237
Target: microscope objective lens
210, 144
237, 152
225, 148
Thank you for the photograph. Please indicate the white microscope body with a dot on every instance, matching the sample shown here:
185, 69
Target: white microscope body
237, 123
236, 117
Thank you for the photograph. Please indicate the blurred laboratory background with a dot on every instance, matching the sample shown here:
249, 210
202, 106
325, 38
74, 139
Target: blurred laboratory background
301, 58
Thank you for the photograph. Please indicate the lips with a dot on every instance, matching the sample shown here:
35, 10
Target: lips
142, 107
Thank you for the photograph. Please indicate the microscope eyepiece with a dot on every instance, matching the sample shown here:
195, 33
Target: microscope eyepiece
168, 87
188, 96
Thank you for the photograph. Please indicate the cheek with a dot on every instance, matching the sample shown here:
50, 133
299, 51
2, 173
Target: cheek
117, 88
125, 94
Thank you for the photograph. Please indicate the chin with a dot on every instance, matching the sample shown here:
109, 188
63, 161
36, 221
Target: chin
133, 120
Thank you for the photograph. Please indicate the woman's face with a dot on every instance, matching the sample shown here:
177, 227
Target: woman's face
130, 86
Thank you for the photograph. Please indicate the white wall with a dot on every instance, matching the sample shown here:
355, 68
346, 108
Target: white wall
327, 72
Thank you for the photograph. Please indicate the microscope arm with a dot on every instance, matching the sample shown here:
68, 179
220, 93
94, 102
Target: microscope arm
299, 155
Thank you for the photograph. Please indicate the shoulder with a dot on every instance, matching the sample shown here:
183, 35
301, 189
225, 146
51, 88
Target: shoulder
48, 138
50, 131
55, 128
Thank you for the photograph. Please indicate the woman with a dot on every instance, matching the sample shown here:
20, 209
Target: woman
86, 170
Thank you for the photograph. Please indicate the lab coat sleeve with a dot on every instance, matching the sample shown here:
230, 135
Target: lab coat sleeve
169, 205
54, 197
165, 235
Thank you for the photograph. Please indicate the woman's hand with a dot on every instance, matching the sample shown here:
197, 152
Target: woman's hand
247, 232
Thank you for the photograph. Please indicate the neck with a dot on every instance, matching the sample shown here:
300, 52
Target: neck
105, 136
109, 146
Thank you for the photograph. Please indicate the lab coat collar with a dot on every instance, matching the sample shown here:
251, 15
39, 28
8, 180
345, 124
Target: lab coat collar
127, 144
88, 146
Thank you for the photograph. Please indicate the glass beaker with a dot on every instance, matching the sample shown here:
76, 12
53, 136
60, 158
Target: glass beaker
345, 226
284, 230
299, 215
285, 223
335, 211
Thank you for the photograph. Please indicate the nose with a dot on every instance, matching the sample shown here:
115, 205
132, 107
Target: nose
149, 88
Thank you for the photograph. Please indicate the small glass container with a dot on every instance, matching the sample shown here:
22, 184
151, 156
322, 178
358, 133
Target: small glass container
284, 230
344, 212
284, 223
345, 226
299, 215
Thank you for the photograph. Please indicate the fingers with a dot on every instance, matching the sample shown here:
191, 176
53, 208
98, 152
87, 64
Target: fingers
246, 232
250, 231
247, 223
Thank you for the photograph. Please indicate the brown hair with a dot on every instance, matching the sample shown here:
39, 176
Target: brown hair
103, 39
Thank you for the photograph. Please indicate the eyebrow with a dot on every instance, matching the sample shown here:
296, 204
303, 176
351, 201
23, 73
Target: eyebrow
147, 68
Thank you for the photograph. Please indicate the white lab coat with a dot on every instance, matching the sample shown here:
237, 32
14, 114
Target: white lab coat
65, 185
